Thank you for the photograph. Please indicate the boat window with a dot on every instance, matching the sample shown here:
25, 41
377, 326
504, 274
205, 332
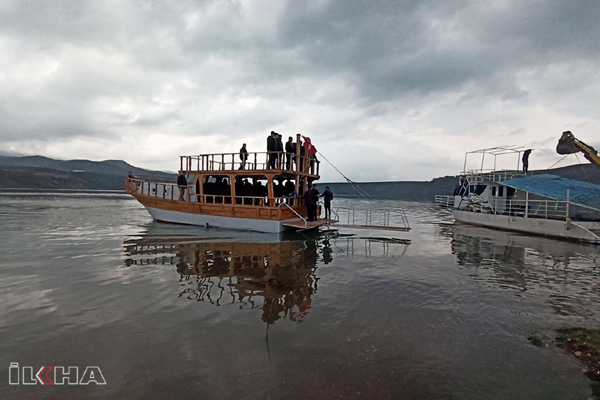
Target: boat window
479, 189
493, 190
216, 188
500, 191
510, 192
249, 187
283, 186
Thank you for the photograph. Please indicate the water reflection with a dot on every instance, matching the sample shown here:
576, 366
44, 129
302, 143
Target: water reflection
566, 273
278, 277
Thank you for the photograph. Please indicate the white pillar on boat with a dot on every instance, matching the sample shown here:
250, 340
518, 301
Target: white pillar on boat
568, 198
526, 203
482, 159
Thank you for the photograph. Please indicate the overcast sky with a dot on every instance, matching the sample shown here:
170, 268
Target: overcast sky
386, 89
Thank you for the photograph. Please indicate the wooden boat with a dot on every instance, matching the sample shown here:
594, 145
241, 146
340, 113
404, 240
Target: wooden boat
223, 192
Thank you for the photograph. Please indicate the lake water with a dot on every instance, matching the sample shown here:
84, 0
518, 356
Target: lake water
165, 311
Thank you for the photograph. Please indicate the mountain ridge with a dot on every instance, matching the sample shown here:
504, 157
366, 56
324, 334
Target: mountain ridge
39, 172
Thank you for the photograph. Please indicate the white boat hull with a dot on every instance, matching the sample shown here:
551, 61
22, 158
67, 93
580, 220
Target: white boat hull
537, 226
251, 224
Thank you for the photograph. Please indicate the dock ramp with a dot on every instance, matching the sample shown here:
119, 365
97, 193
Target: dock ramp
371, 218
302, 224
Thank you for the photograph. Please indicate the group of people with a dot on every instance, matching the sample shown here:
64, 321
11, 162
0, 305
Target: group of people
276, 150
311, 201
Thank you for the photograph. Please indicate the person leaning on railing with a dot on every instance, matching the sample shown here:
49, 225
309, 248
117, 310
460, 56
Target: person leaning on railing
131, 184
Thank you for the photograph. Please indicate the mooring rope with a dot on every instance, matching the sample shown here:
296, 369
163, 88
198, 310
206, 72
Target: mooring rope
354, 185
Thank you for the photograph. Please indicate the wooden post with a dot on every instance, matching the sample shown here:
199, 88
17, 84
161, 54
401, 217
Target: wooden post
270, 191
298, 189
201, 180
232, 183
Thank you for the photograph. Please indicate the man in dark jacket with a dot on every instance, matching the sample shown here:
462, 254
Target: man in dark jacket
182, 183
526, 160
290, 150
314, 200
308, 202
279, 155
271, 149
243, 156
327, 197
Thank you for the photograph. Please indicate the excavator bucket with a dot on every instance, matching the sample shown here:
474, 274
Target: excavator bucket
566, 144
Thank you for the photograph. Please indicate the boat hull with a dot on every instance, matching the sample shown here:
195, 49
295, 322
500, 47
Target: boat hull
537, 226
251, 224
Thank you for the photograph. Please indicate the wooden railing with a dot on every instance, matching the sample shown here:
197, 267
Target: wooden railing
256, 161
171, 191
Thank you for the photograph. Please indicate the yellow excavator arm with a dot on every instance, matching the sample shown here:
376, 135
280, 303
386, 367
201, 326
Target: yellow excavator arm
569, 144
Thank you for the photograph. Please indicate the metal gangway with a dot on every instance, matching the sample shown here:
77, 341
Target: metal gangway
371, 218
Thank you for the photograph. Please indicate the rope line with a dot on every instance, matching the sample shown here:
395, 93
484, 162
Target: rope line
352, 184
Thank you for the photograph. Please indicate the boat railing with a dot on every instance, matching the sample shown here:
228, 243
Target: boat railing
444, 201
474, 177
372, 218
335, 217
297, 214
546, 209
171, 191
255, 161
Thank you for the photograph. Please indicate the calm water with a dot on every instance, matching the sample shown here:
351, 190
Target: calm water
442, 312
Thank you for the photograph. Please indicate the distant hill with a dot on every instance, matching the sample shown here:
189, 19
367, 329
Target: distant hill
108, 167
45, 178
37, 172
426, 191
404, 190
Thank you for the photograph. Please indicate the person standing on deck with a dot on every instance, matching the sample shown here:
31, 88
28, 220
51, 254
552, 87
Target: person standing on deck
279, 156
526, 161
327, 197
271, 149
182, 183
308, 203
290, 150
243, 156
314, 199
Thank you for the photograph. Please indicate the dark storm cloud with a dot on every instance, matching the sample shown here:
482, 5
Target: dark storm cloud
392, 47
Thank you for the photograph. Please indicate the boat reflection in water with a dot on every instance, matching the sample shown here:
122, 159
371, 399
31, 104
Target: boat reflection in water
278, 277
565, 272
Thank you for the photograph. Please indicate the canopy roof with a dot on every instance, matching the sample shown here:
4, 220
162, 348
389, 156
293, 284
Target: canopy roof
581, 193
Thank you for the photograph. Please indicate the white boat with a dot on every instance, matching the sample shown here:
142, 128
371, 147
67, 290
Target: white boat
542, 204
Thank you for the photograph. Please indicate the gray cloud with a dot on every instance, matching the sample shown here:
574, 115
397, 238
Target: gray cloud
412, 83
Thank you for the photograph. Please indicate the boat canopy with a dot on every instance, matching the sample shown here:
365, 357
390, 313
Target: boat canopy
581, 193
